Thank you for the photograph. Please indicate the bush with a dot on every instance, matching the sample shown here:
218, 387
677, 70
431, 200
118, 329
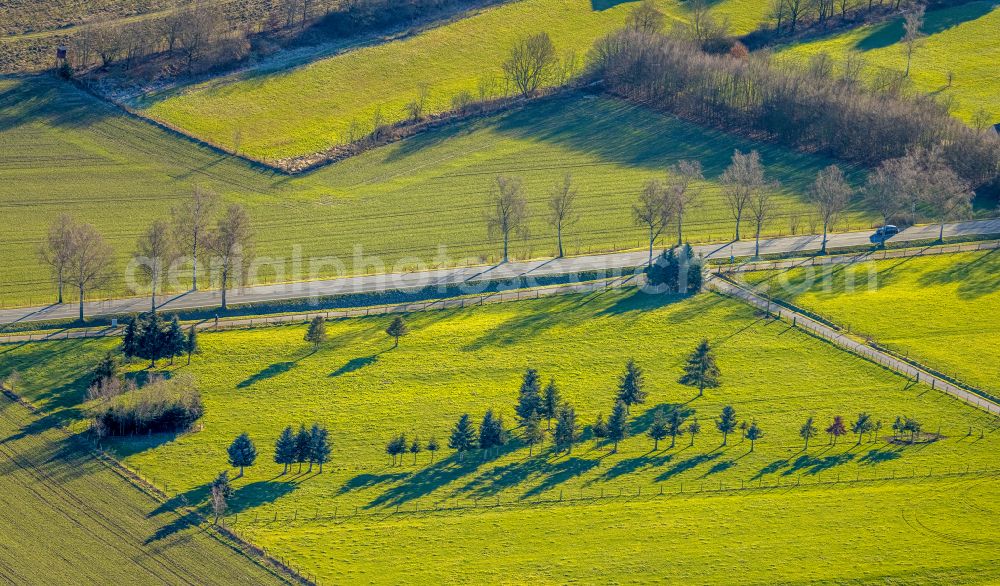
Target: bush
169, 405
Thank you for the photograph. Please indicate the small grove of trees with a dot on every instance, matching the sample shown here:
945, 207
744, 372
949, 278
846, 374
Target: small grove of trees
149, 337
676, 273
79, 257
310, 446
163, 405
562, 209
814, 110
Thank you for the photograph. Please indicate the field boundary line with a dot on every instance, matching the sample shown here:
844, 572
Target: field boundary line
815, 327
227, 537
635, 493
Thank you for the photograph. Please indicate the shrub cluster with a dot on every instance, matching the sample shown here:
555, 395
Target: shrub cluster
167, 405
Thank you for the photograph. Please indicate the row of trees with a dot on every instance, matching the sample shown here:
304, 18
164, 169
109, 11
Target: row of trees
310, 446
786, 16
307, 446
818, 108
78, 256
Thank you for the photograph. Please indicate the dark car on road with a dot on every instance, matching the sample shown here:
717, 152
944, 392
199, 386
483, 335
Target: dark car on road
883, 233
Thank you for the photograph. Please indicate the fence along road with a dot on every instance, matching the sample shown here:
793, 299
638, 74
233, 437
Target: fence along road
828, 333
524, 270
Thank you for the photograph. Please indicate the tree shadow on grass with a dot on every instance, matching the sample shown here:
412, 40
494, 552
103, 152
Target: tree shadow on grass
246, 497
770, 469
632, 465
812, 465
879, 456
272, 371
686, 465
975, 279
426, 481
719, 467
363, 481
355, 364
937, 21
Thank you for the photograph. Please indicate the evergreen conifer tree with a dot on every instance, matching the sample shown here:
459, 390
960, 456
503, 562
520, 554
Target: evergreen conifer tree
463, 436
630, 385
550, 402
242, 452
529, 400
701, 370
618, 424
565, 434
284, 449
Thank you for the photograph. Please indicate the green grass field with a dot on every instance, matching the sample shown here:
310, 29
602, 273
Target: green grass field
939, 310
70, 519
70, 153
292, 112
457, 361
961, 40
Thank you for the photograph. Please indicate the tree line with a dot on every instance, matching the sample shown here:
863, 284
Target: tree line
205, 35
78, 256
822, 108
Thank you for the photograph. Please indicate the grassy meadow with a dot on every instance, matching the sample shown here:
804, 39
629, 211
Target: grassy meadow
70, 519
453, 362
71, 153
286, 112
939, 310
960, 40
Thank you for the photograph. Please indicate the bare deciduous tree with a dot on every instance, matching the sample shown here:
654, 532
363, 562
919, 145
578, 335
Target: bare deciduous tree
831, 193
507, 211
884, 189
232, 245
947, 195
562, 211
191, 225
683, 191
741, 182
154, 251
57, 250
90, 262
653, 211
645, 17
530, 63
913, 21
762, 208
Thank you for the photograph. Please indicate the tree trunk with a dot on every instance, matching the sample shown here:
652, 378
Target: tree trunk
652, 239
225, 283
739, 216
680, 231
656, 444
559, 238
59, 287
673, 440
822, 249
941, 233
194, 266
725, 437
756, 243
81, 303
505, 239
751, 445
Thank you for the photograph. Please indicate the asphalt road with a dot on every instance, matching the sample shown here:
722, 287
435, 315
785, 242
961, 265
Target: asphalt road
468, 277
